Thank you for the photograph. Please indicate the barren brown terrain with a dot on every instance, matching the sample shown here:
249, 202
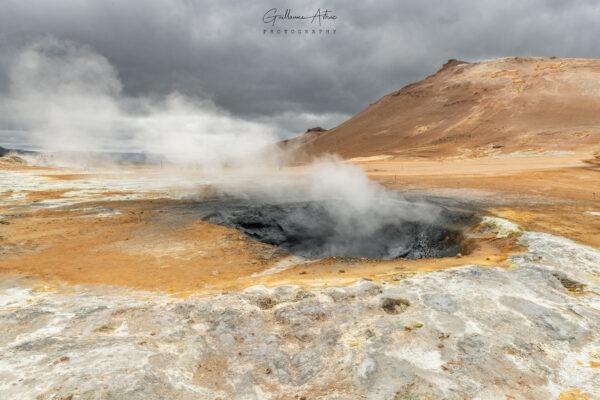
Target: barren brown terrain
554, 194
145, 247
520, 135
517, 137
475, 109
119, 263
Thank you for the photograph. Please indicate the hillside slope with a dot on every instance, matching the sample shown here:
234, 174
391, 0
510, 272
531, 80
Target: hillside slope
475, 109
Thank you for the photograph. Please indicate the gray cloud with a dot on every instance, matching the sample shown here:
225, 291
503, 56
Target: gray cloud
217, 50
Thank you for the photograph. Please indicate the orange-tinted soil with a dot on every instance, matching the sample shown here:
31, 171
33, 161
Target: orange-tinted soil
490, 107
144, 247
554, 194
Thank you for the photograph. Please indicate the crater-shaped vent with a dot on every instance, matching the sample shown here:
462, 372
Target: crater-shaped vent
324, 229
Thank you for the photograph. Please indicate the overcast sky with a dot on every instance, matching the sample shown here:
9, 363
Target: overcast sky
217, 51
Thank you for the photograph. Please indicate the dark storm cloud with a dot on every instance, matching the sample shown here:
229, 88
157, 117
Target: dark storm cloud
217, 49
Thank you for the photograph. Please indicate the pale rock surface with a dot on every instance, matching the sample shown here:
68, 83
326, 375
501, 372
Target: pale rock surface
469, 332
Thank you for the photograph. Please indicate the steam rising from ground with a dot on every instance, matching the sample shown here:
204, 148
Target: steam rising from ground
332, 209
345, 187
69, 98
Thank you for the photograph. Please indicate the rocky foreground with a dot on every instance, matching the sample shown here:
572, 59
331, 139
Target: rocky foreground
530, 331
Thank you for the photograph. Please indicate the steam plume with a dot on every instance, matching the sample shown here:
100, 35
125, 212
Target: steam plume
69, 98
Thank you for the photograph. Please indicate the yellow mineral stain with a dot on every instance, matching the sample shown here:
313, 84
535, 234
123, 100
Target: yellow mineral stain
573, 395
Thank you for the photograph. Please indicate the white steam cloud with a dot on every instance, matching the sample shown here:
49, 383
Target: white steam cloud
331, 208
69, 98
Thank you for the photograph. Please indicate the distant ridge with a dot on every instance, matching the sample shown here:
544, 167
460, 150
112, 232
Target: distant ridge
498, 106
120, 157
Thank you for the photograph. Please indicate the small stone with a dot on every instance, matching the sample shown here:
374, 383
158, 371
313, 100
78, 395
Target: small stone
394, 306
265, 302
569, 284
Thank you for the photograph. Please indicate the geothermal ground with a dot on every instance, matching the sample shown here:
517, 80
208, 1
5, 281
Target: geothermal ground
470, 270
134, 283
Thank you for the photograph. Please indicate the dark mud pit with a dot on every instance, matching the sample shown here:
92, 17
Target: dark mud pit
320, 229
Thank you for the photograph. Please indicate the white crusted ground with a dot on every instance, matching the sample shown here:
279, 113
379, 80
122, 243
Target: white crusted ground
469, 332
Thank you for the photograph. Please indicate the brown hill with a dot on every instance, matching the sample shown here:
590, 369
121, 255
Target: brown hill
475, 109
